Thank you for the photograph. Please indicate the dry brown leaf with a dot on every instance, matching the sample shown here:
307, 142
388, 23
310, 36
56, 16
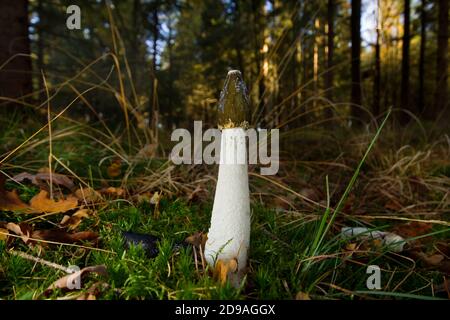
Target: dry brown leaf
10, 201
61, 236
393, 205
72, 222
311, 193
87, 194
64, 220
64, 282
14, 228
302, 296
41, 203
143, 197
443, 287
83, 236
281, 203
112, 191
437, 261
148, 151
155, 201
198, 194
26, 232
3, 234
115, 169
82, 213
434, 259
197, 239
413, 229
87, 296
40, 179
223, 269
348, 206
23, 230
155, 198
94, 291
44, 170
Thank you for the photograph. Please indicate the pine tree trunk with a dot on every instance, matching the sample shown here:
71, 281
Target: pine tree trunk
238, 37
258, 42
135, 38
441, 96
15, 76
40, 52
330, 55
316, 62
171, 119
377, 77
405, 63
423, 34
154, 88
155, 34
356, 63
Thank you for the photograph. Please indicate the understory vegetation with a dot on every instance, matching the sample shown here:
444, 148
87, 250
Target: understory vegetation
405, 192
86, 117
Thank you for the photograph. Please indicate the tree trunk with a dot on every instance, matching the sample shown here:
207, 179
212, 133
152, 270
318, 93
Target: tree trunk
423, 34
329, 76
356, 63
441, 96
155, 32
330, 55
135, 54
40, 52
154, 87
295, 68
377, 75
171, 120
405, 63
377, 78
258, 43
238, 37
15, 76
316, 62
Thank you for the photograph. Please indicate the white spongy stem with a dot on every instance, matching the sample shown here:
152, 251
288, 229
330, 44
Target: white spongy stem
229, 234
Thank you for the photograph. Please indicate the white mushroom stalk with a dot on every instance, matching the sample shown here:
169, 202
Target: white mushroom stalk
229, 235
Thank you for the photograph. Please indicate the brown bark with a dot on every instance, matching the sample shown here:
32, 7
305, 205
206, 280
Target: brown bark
330, 55
356, 98
154, 87
15, 76
441, 96
377, 77
155, 35
258, 42
40, 52
404, 94
238, 36
423, 34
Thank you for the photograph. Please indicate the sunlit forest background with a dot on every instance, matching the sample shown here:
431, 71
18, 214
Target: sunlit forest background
98, 104
337, 60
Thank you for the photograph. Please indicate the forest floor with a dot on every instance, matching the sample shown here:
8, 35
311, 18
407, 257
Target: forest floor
297, 250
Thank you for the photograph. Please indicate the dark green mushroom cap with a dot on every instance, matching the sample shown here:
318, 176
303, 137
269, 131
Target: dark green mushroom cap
234, 102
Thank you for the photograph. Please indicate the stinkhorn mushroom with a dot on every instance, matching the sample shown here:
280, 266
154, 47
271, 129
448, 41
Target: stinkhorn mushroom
229, 235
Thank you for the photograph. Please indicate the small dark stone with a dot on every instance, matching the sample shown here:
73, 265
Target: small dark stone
148, 242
